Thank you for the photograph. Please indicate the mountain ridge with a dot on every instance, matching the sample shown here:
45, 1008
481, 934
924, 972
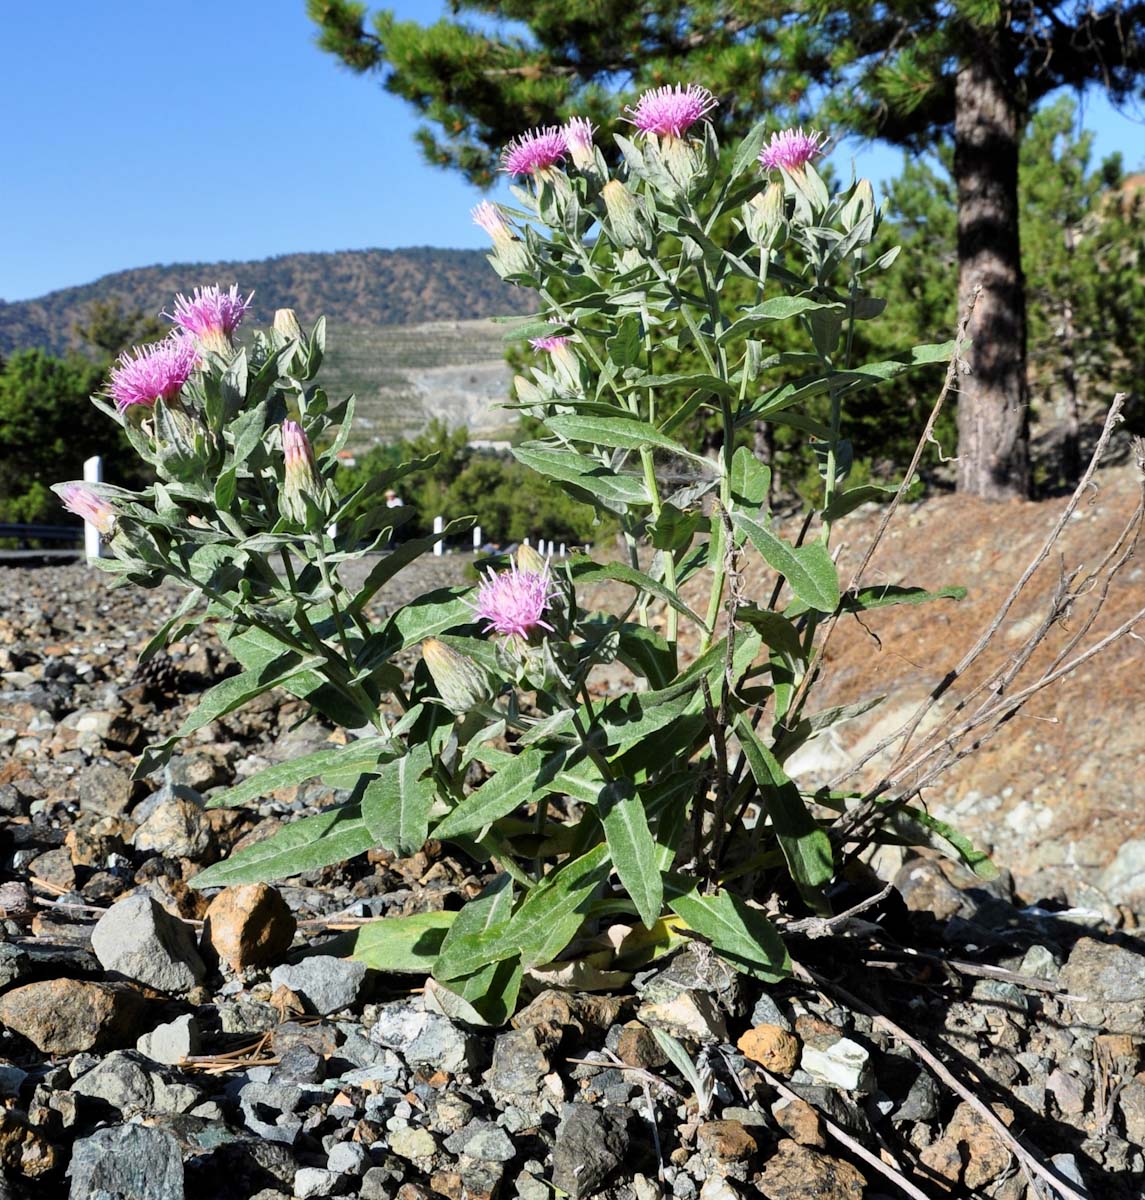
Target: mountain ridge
372, 287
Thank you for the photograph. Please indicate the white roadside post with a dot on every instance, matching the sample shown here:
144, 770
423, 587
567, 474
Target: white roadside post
438, 528
563, 551
476, 539
92, 542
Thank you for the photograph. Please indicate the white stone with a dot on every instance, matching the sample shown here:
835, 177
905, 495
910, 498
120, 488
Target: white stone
844, 1065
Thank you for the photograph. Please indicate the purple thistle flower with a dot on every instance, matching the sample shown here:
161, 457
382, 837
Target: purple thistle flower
670, 112
534, 151
551, 342
792, 149
514, 601
94, 509
148, 373
211, 315
488, 217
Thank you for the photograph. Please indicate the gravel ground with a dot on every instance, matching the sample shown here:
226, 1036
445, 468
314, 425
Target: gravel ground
161, 1044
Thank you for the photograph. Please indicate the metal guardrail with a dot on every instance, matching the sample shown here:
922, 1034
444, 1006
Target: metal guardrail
24, 532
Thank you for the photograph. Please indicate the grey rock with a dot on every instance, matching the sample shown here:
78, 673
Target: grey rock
767, 1012
348, 1158
104, 789
1131, 1102
173, 823
1123, 881
127, 1162
300, 1064
422, 1038
171, 1042
131, 1083
1112, 980
520, 1062
921, 1102
482, 1140
11, 1079
270, 1110
376, 1185
314, 1181
691, 1015
141, 940
324, 983
590, 1144
15, 966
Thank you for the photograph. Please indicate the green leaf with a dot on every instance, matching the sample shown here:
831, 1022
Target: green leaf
750, 480
884, 595
632, 848
358, 756
700, 380
225, 697
625, 433
777, 629
511, 787
808, 569
645, 652
407, 945
396, 805
478, 927
553, 911
805, 845
748, 150
585, 570
738, 933
779, 308
613, 490
632, 718
930, 831
328, 837
386, 568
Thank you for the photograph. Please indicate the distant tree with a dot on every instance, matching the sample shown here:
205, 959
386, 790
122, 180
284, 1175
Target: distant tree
109, 327
917, 74
47, 429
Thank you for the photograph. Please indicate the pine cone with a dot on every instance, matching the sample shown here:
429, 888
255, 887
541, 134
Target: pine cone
159, 676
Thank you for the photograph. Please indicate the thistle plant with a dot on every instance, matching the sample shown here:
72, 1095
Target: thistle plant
668, 810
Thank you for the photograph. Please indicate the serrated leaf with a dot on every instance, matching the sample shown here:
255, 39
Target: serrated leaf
738, 933
632, 848
808, 569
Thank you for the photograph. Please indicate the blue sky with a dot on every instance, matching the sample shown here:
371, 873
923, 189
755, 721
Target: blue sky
139, 132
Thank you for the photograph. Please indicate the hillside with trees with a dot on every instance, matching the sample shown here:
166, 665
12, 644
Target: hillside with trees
352, 287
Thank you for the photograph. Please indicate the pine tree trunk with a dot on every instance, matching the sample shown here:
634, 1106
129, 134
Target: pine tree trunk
993, 414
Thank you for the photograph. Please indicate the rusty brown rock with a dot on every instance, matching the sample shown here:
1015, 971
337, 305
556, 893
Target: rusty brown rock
800, 1121
249, 926
637, 1046
772, 1047
727, 1140
797, 1172
66, 1016
23, 1150
969, 1151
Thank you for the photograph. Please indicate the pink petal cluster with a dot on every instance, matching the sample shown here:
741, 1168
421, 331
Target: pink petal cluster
148, 373
514, 602
94, 509
670, 112
791, 149
488, 217
297, 453
534, 151
579, 135
551, 342
210, 311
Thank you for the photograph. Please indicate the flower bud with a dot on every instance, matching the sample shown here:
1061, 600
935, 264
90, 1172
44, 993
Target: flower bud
182, 441
301, 480
529, 560
763, 214
509, 252
80, 499
286, 324
460, 682
578, 137
624, 214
